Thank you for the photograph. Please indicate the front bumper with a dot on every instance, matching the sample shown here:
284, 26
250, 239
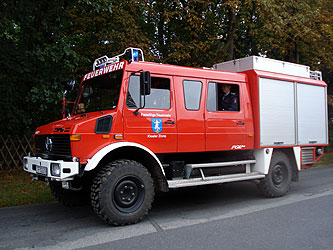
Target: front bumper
42, 167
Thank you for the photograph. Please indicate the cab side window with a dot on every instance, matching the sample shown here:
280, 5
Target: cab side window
159, 97
223, 97
192, 94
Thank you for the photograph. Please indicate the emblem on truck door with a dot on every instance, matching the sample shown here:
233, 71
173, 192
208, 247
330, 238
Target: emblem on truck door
156, 125
238, 146
48, 144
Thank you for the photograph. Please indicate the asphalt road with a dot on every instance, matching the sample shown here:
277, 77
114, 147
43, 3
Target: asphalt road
232, 216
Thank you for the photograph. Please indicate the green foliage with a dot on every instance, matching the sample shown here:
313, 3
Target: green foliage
46, 43
17, 189
298, 31
35, 60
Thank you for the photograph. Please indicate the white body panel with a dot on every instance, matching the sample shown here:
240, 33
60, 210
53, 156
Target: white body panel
277, 112
297, 154
292, 113
263, 160
265, 64
264, 156
312, 115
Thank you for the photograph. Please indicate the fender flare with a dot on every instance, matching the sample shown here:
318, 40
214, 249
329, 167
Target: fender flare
264, 156
297, 154
93, 162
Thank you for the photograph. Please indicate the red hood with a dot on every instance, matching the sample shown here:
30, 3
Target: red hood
68, 125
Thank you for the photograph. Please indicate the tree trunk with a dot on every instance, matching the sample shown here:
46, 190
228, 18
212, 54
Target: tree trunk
229, 46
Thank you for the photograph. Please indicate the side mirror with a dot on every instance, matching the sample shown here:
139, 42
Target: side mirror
69, 85
145, 83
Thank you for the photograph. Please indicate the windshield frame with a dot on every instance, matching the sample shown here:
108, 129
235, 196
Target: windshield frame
109, 69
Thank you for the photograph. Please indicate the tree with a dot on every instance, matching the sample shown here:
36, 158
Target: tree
298, 31
34, 60
46, 43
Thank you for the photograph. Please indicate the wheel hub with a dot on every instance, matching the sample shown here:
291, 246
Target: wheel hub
278, 175
128, 194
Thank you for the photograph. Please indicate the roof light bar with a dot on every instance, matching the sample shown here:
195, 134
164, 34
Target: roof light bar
134, 56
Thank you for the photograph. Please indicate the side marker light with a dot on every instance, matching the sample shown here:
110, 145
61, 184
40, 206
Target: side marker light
118, 137
75, 137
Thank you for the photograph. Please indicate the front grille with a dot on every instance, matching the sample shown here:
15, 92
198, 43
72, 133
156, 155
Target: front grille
53, 147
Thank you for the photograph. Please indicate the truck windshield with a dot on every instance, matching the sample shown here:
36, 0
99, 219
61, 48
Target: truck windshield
99, 93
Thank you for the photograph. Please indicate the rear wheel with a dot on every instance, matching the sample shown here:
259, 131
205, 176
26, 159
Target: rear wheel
277, 181
122, 192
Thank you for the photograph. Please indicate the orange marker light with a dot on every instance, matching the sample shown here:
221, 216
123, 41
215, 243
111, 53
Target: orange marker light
75, 137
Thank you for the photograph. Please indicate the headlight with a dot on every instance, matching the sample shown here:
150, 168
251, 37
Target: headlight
55, 169
25, 164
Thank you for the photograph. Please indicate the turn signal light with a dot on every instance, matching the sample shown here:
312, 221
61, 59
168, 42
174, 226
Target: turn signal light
75, 137
118, 136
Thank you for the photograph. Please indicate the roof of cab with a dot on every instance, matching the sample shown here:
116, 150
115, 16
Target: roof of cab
174, 70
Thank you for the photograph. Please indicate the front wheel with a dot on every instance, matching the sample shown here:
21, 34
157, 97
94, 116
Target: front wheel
122, 192
277, 181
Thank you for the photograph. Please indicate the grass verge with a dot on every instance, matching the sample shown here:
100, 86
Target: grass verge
327, 159
17, 188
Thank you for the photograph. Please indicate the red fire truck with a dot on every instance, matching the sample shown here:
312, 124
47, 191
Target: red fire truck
139, 127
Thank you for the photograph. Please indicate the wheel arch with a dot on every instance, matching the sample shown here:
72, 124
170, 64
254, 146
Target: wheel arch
130, 151
264, 156
294, 158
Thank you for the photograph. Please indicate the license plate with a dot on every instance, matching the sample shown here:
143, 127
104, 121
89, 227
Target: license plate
41, 170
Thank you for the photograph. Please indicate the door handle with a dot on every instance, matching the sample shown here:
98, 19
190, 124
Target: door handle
240, 123
169, 122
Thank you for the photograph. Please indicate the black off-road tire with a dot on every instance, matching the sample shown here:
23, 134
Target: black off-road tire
277, 181
70, 198
122, 192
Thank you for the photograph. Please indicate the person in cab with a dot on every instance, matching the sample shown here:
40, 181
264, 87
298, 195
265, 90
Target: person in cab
229, 100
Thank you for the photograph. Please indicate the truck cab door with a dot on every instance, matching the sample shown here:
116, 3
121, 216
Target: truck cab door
154, 125
190, 114
228, 124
